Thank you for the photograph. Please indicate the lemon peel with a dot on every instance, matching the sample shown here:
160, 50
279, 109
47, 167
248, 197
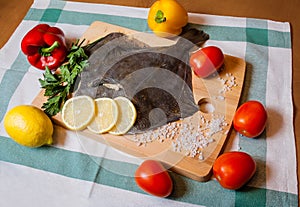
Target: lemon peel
28, 126
126, 117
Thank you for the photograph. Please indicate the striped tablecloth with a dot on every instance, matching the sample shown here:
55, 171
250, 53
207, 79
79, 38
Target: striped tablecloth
77, 171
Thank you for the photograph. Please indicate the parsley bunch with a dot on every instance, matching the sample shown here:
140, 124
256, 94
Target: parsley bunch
58, 86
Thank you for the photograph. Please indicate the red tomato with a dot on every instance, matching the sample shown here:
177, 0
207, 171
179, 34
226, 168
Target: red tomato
153, 178
207, 61
250, 119
234, 169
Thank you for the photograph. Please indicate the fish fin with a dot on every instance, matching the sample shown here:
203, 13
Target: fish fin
196, 36
93, 46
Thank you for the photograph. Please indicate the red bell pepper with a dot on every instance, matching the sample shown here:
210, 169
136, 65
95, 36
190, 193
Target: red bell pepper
45, 46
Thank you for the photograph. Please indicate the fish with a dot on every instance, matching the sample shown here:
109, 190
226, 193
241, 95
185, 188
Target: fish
158, 80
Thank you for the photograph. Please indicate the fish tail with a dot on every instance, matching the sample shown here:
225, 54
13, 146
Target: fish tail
197, 37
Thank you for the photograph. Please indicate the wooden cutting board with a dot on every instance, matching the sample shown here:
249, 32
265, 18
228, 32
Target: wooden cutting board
218, 98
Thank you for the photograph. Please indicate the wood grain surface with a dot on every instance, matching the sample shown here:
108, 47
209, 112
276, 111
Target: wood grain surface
13, 11
203, 89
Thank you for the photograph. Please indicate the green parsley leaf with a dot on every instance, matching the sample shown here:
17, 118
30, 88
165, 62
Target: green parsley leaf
58, 86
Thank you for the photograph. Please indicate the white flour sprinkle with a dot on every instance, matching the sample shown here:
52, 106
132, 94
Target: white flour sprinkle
167, 131
186, 137
228, 82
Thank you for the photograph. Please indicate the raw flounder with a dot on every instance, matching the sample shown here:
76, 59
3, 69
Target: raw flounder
158, 80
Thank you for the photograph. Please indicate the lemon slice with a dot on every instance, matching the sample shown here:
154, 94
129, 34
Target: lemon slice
106, 115
126, 116
78, 112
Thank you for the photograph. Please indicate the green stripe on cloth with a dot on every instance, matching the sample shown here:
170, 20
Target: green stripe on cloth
51, 15
284, 41
281, 199
104, 171
137, 24
67, 163
203, 193
57, 4
53, 12
67, 17
257, 30
220, 33
8, 85
34, 14
11, 81
257, 57
257, 36
249, 197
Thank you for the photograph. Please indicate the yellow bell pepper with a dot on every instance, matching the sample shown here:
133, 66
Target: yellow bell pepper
167, 17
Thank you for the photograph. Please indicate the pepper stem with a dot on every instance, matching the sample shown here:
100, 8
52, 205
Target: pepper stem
46, 51
159, 17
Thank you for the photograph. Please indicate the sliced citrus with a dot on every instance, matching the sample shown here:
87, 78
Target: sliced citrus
106, 115
126, 116
78, 112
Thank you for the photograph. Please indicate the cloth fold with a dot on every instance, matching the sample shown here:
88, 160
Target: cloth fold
80, 171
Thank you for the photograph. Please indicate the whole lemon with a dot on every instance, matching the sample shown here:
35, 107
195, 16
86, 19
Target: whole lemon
28, 126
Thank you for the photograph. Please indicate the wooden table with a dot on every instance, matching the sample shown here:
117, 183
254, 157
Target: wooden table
13, 11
